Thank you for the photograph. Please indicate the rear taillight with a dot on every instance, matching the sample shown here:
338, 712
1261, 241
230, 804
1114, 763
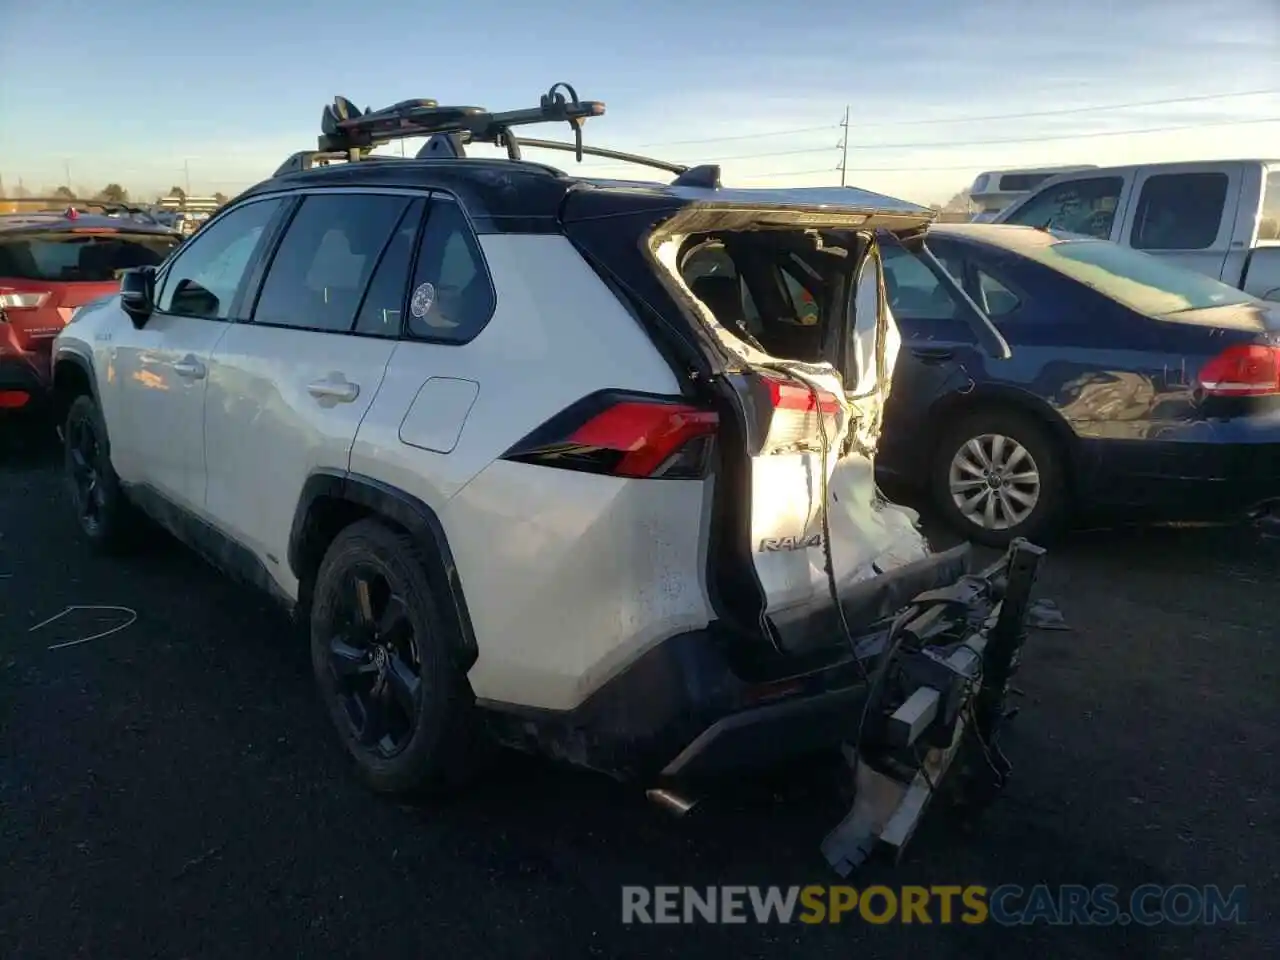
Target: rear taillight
1246, 370
624, 435
793, 412
13, 399
11, 299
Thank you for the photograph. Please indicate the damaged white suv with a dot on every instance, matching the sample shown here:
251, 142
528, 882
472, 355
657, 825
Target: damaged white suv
576, 465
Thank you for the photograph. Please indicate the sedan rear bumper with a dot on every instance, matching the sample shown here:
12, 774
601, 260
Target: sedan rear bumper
1155, 480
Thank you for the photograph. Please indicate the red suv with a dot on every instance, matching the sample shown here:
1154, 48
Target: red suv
50, 264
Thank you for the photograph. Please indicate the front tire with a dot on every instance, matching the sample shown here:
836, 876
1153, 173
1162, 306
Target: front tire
382, 660
997, 475
104, 515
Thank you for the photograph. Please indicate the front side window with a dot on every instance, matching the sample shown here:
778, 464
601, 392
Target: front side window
204, 277
452, 297
1179, 211
318, 275
1086, 206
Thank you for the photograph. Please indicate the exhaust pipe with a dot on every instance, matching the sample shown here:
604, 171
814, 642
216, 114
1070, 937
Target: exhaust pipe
674, 803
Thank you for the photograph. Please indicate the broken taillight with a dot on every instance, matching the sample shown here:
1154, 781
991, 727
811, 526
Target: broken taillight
792, 415
624, 435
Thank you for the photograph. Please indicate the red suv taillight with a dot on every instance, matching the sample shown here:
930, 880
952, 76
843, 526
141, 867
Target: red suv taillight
624, 435
1245, 370
11, 299
796, 408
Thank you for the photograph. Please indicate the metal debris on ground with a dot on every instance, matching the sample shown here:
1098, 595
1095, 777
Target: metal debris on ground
1043, 614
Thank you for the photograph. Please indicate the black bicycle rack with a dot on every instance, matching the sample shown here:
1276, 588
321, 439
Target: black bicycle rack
350, 135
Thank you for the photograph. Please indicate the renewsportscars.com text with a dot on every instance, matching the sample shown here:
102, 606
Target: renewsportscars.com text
1005, 905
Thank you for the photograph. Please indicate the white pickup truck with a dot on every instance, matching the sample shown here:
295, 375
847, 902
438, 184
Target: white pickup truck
1220, 217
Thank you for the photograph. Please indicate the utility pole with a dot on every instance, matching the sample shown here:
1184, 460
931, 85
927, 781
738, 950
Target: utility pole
844, 145
186, 173
66, 169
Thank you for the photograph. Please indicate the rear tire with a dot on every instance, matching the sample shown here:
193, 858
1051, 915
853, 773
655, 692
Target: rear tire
383, 662
106, 518
999, 474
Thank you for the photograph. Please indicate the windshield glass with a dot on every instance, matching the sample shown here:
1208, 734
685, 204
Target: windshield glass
1141, 282
80, 258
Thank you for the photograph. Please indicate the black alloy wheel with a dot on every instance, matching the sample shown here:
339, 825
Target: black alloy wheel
84, 473
376, 667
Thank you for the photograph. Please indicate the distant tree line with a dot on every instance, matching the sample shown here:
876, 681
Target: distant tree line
111, 193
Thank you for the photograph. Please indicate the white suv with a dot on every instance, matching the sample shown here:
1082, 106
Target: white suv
535, 456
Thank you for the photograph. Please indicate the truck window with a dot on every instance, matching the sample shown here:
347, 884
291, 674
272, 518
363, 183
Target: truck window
1085, 206
1269, 223
1179, 211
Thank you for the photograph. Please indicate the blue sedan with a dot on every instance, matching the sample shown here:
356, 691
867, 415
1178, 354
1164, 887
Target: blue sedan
1136, 390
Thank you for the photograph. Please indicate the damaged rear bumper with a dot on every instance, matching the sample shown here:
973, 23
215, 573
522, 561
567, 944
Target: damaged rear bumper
690, 711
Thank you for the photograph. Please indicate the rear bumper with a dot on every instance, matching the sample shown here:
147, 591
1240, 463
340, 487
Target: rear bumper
21, 374
1154, 480
685, 712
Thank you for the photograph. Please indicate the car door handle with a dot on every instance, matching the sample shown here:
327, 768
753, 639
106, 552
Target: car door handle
189, 368
932, 354
335, 390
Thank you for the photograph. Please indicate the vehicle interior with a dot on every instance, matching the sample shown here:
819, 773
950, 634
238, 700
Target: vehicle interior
776, 290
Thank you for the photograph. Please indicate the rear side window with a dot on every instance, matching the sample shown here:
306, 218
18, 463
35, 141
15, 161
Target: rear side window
1086, 206
383, 308
915, 292
998, 300
205, 275
1179, 211
452, 297
319, 273
81, 258
1269, 224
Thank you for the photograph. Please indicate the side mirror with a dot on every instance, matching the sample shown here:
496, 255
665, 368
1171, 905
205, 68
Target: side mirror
137, 294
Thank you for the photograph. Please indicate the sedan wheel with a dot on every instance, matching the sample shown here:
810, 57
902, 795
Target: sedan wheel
997, 474
994, 482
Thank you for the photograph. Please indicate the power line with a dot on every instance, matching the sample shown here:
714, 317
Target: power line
1067, 136
961, 143
1075, 110
744, 136
975, 119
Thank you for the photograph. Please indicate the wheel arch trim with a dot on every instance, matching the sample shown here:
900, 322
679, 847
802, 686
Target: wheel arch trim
67, 355
404, 510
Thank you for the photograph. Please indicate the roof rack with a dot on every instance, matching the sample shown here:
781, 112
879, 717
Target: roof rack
349, 135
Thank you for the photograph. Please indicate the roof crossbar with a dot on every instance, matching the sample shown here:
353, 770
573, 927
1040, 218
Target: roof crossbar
351, 135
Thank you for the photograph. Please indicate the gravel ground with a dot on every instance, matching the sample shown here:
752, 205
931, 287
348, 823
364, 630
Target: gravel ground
172, 790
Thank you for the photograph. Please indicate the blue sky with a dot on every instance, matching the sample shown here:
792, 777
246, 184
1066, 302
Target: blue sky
147, 93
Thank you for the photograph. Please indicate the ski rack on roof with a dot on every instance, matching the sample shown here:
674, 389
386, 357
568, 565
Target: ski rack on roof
349, 135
